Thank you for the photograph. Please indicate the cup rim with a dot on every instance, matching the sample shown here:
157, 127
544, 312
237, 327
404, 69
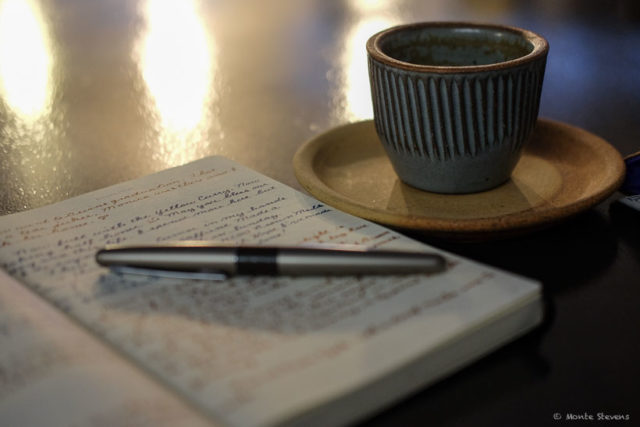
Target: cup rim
540, 47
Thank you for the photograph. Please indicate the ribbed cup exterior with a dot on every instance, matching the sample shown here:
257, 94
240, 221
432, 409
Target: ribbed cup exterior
448, 128
441, 117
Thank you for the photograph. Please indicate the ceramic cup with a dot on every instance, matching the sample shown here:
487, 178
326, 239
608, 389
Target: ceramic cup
454, 103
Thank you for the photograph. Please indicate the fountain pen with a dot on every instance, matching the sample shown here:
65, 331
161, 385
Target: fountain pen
231, 260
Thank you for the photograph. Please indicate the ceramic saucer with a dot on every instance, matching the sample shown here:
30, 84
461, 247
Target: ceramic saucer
564, 170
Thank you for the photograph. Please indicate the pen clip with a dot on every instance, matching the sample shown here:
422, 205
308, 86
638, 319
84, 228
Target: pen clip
169, 274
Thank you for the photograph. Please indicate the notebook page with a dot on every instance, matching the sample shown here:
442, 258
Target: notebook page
250, 351
54, 373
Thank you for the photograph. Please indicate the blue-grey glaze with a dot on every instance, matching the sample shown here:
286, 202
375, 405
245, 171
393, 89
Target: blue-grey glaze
455, 132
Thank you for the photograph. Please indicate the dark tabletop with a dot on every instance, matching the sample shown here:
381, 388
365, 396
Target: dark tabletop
98, 92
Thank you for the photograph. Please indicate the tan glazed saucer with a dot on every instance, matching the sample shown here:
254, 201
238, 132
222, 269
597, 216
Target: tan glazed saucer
564, 170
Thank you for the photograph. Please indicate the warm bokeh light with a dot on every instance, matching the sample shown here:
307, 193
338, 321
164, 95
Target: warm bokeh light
364, 6
352, 98
176, 61
30, 133
25, 58
357, 92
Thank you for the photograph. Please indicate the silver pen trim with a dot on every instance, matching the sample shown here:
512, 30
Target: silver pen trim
256, 260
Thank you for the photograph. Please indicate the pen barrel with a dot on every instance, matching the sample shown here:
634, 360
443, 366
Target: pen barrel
319, 262
255, 260
171, 258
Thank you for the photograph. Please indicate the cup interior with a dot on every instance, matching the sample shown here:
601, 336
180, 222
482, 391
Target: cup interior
454, 45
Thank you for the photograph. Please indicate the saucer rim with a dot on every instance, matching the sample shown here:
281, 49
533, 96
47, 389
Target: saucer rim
515, 223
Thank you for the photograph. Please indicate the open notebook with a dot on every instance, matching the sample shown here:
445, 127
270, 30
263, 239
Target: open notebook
80, 345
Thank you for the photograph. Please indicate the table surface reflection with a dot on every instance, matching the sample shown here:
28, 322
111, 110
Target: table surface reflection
98, 92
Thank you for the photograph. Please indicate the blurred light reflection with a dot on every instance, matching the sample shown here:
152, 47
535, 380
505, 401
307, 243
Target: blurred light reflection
176, 62
357, 92
32, 146
353, 100
25, 59
364, 6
